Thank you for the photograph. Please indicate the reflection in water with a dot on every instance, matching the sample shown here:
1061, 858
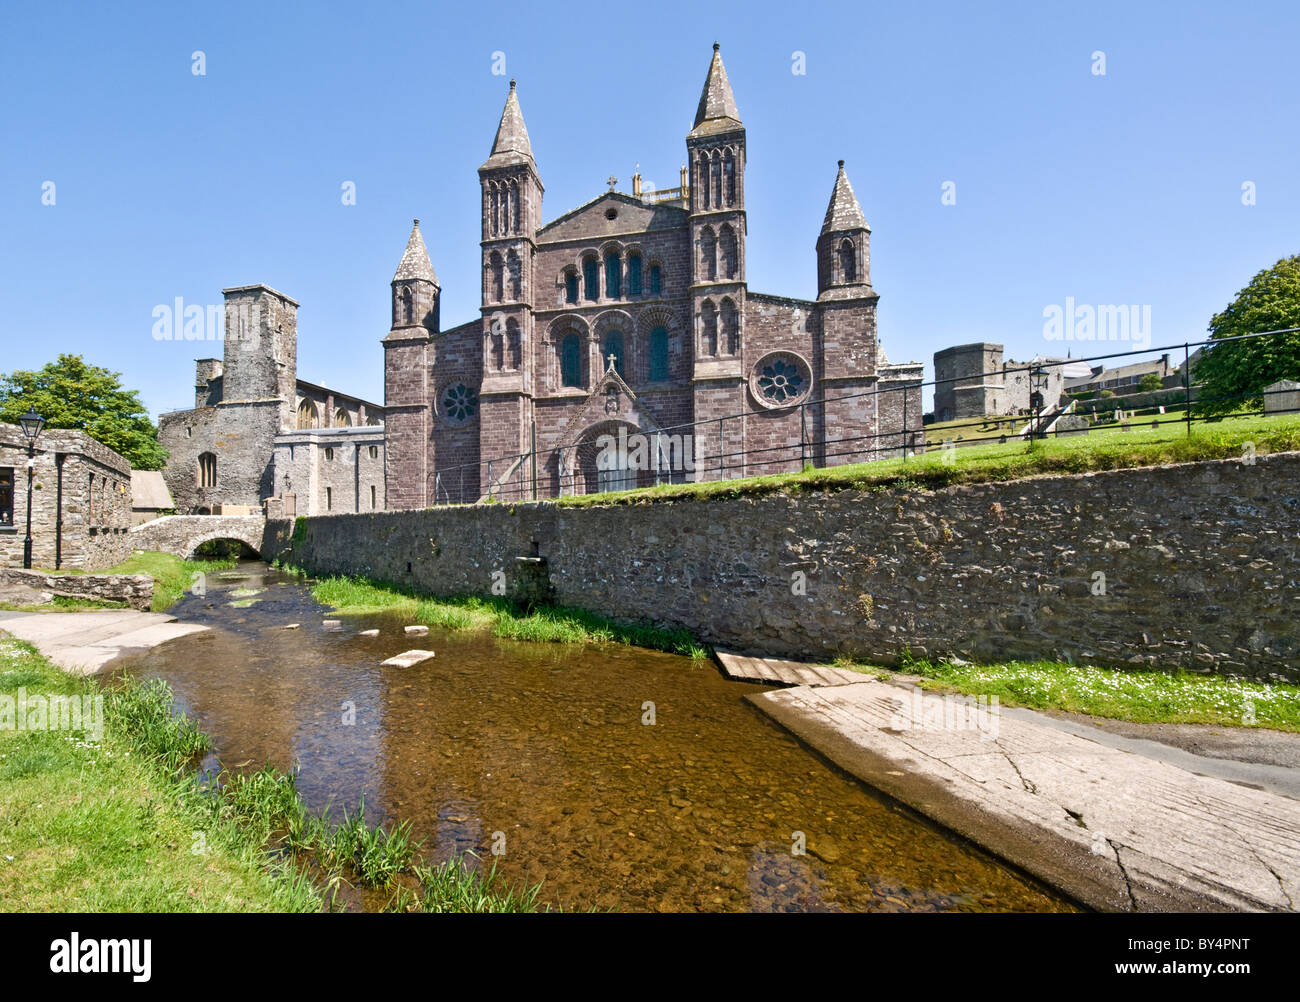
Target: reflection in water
540, 751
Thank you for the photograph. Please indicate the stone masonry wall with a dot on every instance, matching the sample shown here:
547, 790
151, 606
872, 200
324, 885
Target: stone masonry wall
1194, 566
135, 590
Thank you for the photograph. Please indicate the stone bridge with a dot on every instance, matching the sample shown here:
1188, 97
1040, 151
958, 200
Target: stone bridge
183, 534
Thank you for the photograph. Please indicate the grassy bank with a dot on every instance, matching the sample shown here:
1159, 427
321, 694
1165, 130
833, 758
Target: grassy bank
172, 577
1141, 446
121, 822
498, 616
1151, 697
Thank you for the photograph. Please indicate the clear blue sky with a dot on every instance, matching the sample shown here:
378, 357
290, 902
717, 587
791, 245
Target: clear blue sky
1123, 188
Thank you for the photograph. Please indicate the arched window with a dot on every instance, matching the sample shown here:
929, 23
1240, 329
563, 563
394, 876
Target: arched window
729, 176
514, 344
516, 278
708, 253
614, 346
591, 278
715, 174
494, 209
613, 276
656, 280
570, 360
498, 277
498, 348
408, 305
730, 252
848, 262
207, 471
570, 286
730, 328
703, 180
709, 328
308, 416
658, 354
341, 418
514, 205
634, 274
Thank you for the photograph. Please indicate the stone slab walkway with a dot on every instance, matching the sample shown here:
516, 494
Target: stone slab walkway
85, 642
1116, 830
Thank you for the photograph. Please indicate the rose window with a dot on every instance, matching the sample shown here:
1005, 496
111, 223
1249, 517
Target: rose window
459, 403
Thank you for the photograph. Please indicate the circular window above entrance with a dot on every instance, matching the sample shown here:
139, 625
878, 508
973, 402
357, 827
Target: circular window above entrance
458, 403
780, 379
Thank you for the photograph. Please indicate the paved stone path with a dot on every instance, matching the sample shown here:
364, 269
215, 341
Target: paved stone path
1117, 830
84, 642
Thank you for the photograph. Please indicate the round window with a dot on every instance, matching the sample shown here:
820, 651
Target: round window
459, 403
780, 379
611, 213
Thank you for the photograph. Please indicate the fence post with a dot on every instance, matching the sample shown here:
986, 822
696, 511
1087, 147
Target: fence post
659, 446
721, 461
905, 424
532, 433
803, 437
489, 480
1187, 387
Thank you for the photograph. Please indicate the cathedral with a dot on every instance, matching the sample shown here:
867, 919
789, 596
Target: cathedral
629, 319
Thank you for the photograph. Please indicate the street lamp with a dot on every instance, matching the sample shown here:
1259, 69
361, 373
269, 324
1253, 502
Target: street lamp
1038, 384
32, 424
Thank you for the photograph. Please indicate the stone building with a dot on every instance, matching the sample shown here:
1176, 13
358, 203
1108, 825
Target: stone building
257, 431
81, 500
630, 317
973, 381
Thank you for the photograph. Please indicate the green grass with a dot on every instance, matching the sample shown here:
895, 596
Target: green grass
1109, 450
172, 577
1122, 694
124, 823
547, 624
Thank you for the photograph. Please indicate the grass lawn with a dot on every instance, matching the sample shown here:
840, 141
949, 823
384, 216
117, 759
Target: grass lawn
1108, 450
1151, 697
548, 624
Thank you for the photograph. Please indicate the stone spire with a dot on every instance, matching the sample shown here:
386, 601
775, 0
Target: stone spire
511, 145
844, 213
415, 260
717, 111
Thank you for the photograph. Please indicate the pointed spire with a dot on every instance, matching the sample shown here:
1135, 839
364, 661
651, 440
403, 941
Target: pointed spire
415, 260
844, 213
511, 145
717, 111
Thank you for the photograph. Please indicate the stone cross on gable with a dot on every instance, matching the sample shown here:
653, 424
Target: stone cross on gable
611, 181
612, 359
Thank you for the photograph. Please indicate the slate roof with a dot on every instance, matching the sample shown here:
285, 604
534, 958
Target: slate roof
415, 259
844, 213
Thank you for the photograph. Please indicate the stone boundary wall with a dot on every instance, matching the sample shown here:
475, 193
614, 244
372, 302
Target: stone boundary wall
136, 590
1193, 565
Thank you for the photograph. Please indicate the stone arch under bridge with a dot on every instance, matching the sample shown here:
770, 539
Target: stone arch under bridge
181, 535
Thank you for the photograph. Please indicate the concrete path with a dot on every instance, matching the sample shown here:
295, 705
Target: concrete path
85, 642
1114, 827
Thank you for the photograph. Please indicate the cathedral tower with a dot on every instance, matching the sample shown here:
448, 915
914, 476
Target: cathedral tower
512, 211
406, 376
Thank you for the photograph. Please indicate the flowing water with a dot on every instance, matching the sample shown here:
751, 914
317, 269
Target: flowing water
543, 752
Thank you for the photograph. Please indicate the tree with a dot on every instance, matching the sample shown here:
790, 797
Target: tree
1235, 373
1150, 382
71, 394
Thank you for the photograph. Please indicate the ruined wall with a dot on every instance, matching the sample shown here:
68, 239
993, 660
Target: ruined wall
1201, 566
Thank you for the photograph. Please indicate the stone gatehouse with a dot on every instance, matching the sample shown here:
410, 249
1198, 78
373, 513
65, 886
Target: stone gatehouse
632, 312
257, 431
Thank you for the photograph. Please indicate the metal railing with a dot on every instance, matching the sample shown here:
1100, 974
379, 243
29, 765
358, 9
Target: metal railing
719, 448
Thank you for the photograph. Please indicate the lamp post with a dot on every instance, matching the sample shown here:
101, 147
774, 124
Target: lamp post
32, 423
1038, 384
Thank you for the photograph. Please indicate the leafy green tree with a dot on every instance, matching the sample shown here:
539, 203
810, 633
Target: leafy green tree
1235, 373
1150, 382
69, 393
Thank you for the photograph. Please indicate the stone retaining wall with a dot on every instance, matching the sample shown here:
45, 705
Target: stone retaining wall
1194, 566
136, 590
